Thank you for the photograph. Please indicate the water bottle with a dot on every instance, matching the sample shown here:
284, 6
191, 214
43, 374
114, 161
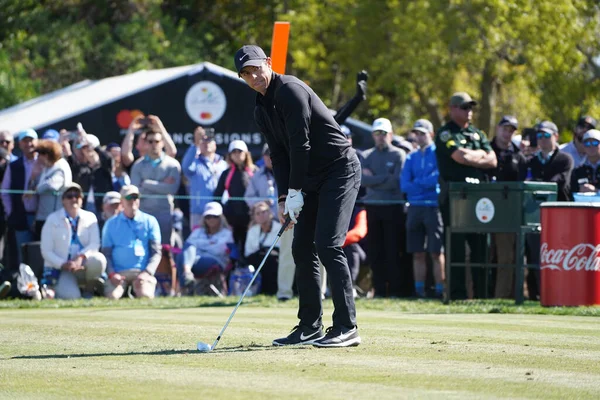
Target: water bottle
239, 280
529, 176
271, 192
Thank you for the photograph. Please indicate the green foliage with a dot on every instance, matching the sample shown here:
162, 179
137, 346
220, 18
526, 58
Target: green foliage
537, 59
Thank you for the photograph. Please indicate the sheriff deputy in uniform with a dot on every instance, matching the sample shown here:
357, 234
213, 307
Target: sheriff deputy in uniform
462, 152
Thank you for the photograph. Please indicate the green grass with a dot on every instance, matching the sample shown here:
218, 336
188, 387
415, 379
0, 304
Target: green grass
134, 349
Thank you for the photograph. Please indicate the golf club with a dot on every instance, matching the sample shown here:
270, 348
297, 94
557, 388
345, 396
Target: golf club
205, 347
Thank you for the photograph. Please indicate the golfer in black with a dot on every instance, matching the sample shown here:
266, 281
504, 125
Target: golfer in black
318, 169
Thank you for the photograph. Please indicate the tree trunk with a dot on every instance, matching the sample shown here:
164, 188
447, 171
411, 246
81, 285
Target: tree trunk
487, 102
432, 107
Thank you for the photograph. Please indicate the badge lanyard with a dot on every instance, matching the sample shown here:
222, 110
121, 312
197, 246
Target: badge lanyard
75, 245
138, 247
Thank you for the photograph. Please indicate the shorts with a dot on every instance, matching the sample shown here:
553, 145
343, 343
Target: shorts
424, 230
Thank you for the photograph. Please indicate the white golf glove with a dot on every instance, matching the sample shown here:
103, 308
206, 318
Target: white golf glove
293, 204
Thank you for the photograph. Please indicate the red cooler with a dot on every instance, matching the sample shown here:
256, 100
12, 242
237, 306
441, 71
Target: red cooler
570, 254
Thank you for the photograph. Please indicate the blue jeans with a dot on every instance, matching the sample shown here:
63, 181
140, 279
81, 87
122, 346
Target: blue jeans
200, 265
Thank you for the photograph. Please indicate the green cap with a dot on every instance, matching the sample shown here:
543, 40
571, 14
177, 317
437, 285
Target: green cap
461, 98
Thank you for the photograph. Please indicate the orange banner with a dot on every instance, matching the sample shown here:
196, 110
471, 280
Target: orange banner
279, 45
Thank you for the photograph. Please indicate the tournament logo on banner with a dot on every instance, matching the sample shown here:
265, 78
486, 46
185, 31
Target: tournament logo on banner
205, 102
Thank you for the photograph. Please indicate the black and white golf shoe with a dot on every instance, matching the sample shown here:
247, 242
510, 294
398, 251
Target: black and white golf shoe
300, 335
339, 337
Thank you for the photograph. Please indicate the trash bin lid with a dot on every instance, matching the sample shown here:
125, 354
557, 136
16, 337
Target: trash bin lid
569, 204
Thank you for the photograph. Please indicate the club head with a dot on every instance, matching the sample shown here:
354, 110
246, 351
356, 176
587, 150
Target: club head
203, 347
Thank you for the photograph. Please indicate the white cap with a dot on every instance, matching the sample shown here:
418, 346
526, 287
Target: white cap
91, 140
382, 124
237, 145
213, 208
111, 198
592, 134
423, 125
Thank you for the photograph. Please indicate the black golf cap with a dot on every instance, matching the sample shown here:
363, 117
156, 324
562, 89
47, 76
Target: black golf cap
510, 121
587, 120
249, 55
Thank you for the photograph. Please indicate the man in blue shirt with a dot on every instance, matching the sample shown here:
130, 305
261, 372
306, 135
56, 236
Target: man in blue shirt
202, 166
419, 180
131, 243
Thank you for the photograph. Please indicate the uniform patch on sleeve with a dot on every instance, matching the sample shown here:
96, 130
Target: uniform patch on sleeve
450, 144
476, 136
444, 136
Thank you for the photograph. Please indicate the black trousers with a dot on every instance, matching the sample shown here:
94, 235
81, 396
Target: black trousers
321, 229
355, 256
387, 244
268, 273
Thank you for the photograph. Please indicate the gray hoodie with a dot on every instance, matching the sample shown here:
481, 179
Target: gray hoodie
386, 165
149, 176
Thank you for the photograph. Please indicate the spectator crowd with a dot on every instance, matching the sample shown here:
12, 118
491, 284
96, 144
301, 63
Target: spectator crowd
120, 220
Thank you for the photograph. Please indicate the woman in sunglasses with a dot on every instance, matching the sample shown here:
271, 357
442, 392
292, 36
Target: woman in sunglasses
586, 178
207, 248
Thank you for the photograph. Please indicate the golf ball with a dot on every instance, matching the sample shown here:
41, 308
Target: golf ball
203, 347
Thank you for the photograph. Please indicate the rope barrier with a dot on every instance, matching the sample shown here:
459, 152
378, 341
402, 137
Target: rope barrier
216, 198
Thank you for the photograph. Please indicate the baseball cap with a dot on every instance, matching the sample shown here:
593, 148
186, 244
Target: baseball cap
510, 121
128, 190
592, 134
587, 120
249, 55
90, 140
112, 145
51, 134
547, 126
422, 125
111, 198
213, 208
27, 133
346, 131
72, 186
461, 98
382, 124
237, 145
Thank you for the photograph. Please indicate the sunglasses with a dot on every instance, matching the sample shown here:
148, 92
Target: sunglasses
591, 143
131, 197
71, 196
466, 107
544, 135
380, 133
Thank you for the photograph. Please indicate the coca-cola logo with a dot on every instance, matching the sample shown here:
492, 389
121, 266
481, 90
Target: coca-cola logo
582, 257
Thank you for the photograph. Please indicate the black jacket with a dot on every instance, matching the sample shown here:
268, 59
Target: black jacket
303, 137
98, 178
557, 169
511, 164
585, 171
235, 210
